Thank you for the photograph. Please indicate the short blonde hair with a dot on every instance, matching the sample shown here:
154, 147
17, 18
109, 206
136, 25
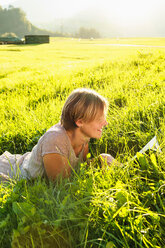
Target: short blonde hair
82, 104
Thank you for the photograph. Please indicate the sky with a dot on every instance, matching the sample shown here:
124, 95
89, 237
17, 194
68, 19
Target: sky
126, 9
125, 12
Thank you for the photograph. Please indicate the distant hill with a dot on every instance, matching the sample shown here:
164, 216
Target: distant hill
153, 26
86, 19
13, 20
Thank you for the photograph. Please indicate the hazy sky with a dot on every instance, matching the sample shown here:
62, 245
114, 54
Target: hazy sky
124, 10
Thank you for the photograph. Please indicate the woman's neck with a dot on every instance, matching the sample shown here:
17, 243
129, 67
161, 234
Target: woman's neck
76, 138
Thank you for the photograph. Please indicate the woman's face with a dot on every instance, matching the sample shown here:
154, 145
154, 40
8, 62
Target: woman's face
93, 129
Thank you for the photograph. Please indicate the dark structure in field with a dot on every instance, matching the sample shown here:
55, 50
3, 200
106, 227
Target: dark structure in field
10, 40
36, 39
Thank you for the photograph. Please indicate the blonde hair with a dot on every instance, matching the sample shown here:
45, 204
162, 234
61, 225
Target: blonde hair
82, 104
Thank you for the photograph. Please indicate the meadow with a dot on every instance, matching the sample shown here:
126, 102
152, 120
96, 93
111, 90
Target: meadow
98, 207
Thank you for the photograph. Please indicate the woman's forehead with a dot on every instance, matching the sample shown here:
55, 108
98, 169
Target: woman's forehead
100, 113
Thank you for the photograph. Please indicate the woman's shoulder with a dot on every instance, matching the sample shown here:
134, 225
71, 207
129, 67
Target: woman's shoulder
56, 132
57, 128
55, 141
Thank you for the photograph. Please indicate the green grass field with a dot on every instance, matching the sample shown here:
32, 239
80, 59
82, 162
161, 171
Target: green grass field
121, 206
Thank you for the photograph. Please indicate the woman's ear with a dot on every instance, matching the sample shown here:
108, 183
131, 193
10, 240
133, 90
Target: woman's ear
79, 122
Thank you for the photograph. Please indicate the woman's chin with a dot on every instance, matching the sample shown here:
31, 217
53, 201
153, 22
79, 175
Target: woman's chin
98, 136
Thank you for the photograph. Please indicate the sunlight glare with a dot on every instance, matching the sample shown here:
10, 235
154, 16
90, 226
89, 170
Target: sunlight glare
129, 11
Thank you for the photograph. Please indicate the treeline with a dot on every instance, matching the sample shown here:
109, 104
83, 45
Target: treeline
87, 33
13, 20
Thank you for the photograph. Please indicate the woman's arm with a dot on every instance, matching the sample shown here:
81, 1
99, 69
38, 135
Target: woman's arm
56, 165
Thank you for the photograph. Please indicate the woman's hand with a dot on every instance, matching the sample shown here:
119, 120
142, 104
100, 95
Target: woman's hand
106, 159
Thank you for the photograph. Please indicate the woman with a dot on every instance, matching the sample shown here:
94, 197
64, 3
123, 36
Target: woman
64, 145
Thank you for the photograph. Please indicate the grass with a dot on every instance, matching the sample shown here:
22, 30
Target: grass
120, 206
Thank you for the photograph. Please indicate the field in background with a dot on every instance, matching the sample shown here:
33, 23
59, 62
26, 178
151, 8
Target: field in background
120, 207
36, 79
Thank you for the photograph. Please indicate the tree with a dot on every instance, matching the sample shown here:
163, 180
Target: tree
10, 35
13, 20
86, 33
